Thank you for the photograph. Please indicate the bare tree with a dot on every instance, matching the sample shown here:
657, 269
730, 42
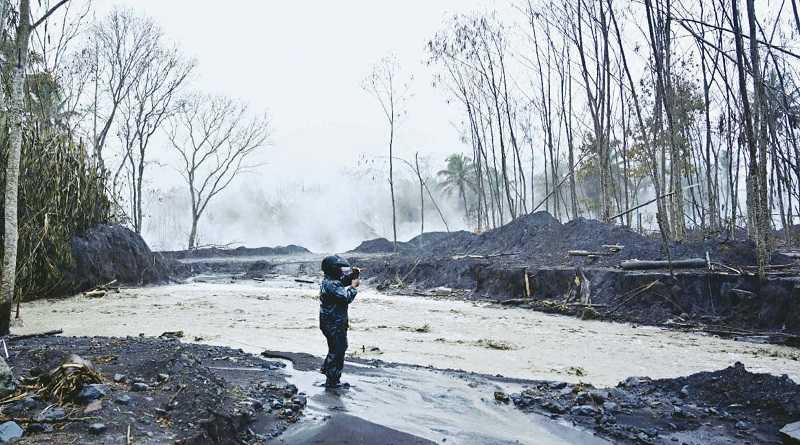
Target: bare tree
384, 83
16, 124
123, 45
216, 138
141, 114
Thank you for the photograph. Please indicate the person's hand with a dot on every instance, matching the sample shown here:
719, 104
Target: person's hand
355, 283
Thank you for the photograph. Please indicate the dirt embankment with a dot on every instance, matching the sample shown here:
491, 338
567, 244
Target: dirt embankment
529, 259
149, 390
723, 407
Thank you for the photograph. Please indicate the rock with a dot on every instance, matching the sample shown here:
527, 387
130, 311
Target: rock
10, 431
442, 291
599, 396
163, 377
120, 378
583, 398
93, 406
610, 406
300, 400
632, 381
791, 433
39, 428
500, 396
139, 387
52, 414
685, 391
289, 391
122, 399
557, 385
7, 385
742, 425
276, 404
554, 407
584, 410
92, 392
97, 428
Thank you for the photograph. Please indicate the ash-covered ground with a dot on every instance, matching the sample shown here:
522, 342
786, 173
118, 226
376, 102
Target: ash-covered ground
528, 262
428, 369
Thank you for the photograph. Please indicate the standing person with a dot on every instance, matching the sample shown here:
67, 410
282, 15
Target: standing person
337, 291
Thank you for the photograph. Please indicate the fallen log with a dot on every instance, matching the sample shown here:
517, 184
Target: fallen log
300, 280
95, 294
588, 253
40, 334
691, 263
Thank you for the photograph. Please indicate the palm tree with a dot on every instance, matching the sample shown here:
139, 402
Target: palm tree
458, 177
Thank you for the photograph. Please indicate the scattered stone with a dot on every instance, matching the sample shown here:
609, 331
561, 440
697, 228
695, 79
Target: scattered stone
163, 377
39, 428
300, 400
7, 385
557, 385
500, 396
631, 382
685, 391
10, 431
554, 407
583, 398
289, 390
97, 428
791, 433
584, 410
120, 378
53, 414
140, 387
122, 399
742, 425
599, 396
610, 406
276, 404
92, 392
95, 405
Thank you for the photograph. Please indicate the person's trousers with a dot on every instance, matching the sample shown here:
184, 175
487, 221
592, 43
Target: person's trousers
336, 335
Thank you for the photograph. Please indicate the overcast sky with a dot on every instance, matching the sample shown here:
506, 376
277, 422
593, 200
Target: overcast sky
304, 61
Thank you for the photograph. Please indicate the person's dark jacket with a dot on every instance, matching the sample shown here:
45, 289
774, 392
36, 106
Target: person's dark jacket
334, 298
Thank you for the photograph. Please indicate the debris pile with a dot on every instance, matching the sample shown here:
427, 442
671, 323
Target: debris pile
128, 390
728, 406
598, 270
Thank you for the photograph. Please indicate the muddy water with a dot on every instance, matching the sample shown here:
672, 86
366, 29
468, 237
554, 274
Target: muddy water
440, 406
281, 315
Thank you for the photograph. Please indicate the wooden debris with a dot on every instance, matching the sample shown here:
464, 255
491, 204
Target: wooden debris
300, 280
40, 334
633, 294
95, 294
691, 263
588, 253
527, 283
